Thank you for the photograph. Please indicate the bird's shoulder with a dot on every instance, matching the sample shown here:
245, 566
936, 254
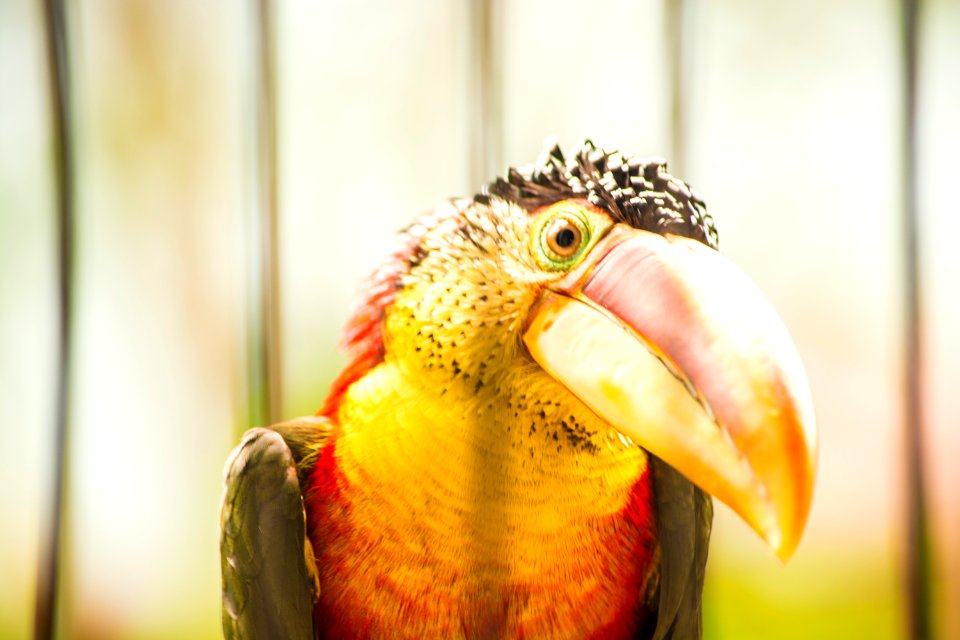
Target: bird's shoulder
266, 560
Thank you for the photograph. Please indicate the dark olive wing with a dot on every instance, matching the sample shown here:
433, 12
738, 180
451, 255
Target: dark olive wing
268, 572
685, 516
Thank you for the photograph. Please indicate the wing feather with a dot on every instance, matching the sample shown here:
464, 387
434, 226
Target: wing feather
685, 517
268, 572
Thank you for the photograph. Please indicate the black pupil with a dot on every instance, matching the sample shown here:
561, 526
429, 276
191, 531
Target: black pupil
565, 238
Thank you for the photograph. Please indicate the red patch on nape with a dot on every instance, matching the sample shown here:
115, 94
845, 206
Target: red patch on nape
362, 336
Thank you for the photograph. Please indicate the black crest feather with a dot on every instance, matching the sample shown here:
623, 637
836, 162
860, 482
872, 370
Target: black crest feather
635, 191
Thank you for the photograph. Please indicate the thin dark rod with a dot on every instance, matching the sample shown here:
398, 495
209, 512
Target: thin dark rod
917, 550
57, 49
678, 17
267, 369
487, 131
485, 164
679, 20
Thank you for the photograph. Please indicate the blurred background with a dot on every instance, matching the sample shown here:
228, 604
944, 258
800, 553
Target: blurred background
792, 116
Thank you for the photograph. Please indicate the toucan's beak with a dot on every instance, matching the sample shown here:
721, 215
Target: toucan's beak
678, 350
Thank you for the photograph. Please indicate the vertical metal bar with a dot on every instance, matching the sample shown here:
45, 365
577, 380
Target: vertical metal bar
486, 158
678, 17
485, 164
917, 552
679, 20
673, 35
57, 51
266, 368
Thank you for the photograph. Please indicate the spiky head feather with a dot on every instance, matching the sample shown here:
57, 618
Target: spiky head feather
635, 191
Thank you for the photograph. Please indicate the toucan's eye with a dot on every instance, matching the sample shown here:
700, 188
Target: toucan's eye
561, 239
